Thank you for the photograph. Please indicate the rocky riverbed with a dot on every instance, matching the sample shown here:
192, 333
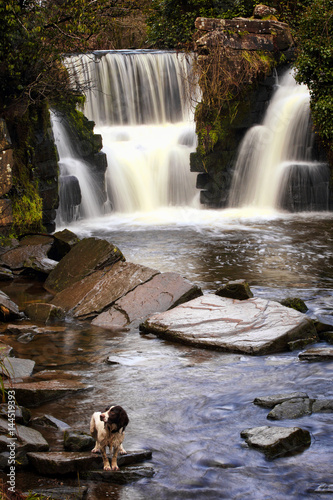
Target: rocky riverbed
89, 285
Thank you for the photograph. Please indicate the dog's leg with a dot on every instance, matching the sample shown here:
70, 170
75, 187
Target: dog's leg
122, 451
96, 449
114, 465
106, 463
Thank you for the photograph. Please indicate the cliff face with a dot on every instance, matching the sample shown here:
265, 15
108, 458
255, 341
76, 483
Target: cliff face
235, 64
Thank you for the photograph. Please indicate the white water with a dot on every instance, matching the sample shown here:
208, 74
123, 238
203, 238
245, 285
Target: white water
269, 151
140, 104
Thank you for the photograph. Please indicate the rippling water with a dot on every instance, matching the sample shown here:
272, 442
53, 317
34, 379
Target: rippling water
189, 405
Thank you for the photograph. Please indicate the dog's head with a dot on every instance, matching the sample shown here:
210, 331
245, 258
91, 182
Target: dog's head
116, 417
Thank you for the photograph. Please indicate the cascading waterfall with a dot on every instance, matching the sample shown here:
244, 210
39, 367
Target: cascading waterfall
275, 166
139, 101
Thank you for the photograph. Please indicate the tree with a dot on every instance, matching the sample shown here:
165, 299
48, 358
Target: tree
314, 64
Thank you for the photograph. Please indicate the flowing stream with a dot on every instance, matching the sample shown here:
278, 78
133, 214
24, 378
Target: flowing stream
189, 405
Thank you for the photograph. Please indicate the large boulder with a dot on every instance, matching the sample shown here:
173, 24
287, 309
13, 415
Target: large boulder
91, 295
253, 326
87, 256
161, 293
277, 441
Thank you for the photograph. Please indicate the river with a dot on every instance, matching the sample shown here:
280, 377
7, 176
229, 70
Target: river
189, 405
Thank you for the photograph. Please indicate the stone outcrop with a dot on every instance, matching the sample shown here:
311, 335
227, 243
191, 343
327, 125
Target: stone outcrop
253, 326
277, 441
236, 58
6, 177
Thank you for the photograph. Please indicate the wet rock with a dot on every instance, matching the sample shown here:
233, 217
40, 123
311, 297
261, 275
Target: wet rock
253, 326
295, 303
159, 294
93, 294
327, 336
6, 274
294, 408
238, 289
301, 343
60, 493
78, 441
36, 393
322, 406
17, 368
275, 399
322, 488
277, 441
67, 462
63, 242
5, 350
32, 253
22, 415
28, 438
8, 309
87, 256
50, 421
317, 354
121, 476
44, 313
33, 329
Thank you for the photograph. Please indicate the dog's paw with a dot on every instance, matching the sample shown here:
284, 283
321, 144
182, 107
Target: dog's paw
107, 467
122, 451
95, 450
115, 467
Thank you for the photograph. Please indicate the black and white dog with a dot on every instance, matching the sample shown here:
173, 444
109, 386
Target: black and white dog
108, 429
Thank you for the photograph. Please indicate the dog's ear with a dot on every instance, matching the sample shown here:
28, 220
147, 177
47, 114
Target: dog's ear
108, 408
123, 419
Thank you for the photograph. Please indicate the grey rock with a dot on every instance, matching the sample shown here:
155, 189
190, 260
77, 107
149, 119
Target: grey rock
17, 368
275, 399
6, 274
67, 462
294, 408
5, 350
253, 326
121, 476
159, 294
277, 441
78, 441
327, 336
60, 493
238, 289
317, 354
50, 421
28, 438
22, 415
322, 406
8, 309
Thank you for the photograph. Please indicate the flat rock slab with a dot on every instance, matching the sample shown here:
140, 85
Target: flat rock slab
253, 326
121, 476
317, 354
34, 329
275, 399
277, 441
36, 393
17, 368
30, 439
92, 295
87, 256
67, 462
293, 408
159, 294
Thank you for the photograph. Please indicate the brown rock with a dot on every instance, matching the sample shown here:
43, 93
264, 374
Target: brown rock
238, 289
89, 255
93, 294
44, 313
261, 11
31, 253
161, 293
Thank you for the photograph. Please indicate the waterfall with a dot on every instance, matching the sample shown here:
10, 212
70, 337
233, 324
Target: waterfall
139, 101
275, 167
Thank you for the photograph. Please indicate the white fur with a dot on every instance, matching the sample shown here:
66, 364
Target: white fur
104, 437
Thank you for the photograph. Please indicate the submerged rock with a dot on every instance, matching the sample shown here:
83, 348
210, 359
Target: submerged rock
93, 294
293, 408
238, 289
159, 294
87, 256
66, 462
275, 399
277, 441
253, 326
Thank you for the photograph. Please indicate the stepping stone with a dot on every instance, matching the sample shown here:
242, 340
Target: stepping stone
253, 326
17, 368
61, 493
317, 354
121, 476
275, 399
276, 441
30, 439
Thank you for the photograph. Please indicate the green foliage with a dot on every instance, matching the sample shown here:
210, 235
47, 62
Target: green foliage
314, 64
171, 22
